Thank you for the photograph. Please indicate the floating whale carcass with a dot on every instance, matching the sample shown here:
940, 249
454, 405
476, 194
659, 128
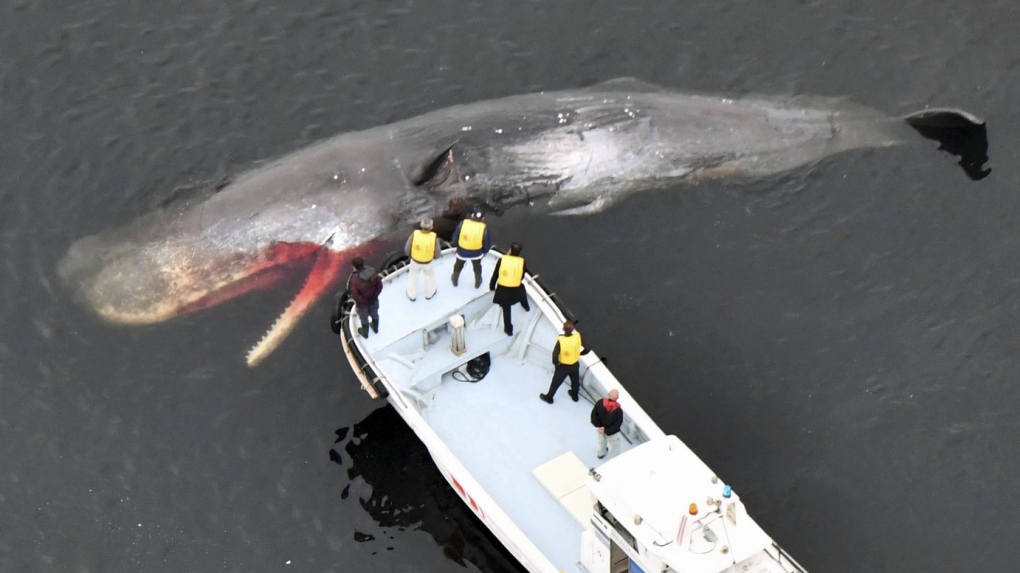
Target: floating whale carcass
359, 193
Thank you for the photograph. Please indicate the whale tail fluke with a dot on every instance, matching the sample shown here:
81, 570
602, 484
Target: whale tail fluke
959, 133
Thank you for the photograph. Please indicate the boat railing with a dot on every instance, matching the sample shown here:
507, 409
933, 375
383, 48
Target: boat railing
565, 313
784, 559
597, 379
371, 382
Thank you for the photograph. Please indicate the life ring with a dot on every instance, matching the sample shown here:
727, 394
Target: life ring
336, 318
393, 261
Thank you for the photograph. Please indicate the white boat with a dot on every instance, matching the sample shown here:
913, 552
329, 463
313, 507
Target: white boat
529, 469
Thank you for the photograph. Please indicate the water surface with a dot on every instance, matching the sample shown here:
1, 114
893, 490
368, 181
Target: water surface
839, 343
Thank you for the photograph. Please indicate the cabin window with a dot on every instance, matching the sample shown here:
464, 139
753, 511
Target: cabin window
615, 523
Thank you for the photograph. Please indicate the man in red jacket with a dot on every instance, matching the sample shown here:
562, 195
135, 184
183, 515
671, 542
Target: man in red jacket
607, 416
365, 286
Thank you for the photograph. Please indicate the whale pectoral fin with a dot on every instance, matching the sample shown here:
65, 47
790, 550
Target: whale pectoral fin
183, 195
323, 276
599, 204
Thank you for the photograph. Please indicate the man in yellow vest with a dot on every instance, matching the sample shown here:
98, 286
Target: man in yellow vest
566, 358
506, 281
423, 248
471, 237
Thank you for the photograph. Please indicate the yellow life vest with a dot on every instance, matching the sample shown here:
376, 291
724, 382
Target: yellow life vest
471, 235
423, 246
570, 348
511, 271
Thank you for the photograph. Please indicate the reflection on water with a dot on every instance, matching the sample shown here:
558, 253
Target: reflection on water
408, 492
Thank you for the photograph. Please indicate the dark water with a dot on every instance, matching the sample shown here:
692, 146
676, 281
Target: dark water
840, 343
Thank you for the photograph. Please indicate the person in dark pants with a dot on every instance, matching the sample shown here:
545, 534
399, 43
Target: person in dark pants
471, 237
365, 286
506, 281
607, 417
566, 355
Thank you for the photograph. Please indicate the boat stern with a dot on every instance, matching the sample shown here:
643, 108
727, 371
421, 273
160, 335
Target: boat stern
660, 507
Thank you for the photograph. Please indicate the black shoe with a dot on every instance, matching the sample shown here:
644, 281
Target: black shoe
509, 332
454, 278
375, 329
546, 399
478, 281
574, 396
363, 331
600, 456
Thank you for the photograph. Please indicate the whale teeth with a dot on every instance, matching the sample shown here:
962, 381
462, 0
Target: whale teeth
271, 340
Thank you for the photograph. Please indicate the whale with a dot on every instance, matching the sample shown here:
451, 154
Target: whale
569, 153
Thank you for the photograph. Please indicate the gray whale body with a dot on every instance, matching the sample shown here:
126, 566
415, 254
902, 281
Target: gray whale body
565, 152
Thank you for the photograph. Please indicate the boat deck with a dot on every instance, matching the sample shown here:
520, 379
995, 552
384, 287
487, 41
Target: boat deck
497, 427
521, 433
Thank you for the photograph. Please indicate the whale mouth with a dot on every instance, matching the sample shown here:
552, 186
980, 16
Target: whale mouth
959, 133
143, 283
126, 283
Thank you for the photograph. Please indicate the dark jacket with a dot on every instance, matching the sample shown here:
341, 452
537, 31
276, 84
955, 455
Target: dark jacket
365, 287
603, 418
506, 296
468, 253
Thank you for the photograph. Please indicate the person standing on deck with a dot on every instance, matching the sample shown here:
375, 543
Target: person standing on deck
607, 417
423, 248
365, 285
471, 237
506, 281
566, 356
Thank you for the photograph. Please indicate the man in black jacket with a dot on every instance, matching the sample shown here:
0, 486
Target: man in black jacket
607, 416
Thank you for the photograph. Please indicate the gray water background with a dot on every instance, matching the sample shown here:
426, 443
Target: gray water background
839, 342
